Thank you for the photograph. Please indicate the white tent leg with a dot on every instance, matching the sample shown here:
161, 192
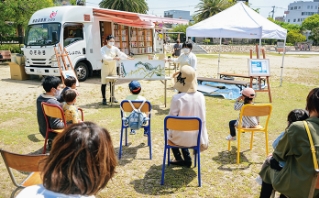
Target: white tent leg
220, 48
282, 63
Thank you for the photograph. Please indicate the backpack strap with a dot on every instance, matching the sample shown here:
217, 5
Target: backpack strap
312, 147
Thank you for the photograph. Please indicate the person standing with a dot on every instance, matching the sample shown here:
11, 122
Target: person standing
110, 54
177, 48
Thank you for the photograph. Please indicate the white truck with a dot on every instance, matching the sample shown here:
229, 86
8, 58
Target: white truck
81, 31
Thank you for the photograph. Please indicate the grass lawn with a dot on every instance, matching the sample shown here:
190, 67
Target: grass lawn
137, 176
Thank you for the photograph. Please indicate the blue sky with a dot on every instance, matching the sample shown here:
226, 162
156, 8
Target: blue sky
157, 7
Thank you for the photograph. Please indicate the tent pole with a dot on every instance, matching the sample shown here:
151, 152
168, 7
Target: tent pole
282, 62
220, 47
259, 48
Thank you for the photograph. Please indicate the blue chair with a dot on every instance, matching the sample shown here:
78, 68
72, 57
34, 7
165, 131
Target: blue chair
126, 107
178, 123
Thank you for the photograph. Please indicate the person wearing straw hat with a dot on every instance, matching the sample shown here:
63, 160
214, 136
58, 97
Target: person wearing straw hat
188, 102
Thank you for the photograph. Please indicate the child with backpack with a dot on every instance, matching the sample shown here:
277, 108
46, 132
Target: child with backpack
248, 94
135, 89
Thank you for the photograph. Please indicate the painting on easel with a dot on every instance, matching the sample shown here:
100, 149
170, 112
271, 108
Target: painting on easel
258, 67
154, 69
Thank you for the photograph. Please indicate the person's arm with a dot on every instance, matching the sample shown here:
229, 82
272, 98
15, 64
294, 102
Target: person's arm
238, 104
174, 110
120, 55
105, 57
74, 115
194, 61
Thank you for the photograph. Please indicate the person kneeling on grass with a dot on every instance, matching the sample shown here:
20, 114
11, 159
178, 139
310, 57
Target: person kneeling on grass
188, 102
248, 94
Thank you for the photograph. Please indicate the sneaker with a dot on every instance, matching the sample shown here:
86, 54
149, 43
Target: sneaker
104, 101
231, 138
132, 132
145, 133
259, 180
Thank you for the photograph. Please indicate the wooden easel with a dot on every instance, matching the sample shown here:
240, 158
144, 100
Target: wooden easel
260, 78
67, 65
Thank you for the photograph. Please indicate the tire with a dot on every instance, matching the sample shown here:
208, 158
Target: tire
82, 71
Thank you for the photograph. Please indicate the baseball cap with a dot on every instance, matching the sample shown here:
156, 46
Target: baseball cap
134, 86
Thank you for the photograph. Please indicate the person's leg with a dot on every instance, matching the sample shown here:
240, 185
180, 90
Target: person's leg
232, 127
187, 157
103, 88
112, 92
178, 157
266, 190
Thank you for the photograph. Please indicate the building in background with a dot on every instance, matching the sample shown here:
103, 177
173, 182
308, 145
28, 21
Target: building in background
178, 14
280, 18
299, 10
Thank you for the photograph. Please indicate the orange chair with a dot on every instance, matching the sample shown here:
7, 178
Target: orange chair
25, 163
54, 111
253, 110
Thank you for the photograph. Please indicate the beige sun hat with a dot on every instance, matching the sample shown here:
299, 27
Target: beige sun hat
186, 81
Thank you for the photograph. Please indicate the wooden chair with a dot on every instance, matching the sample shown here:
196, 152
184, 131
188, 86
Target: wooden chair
146, 108
179, 123
54, 111
25, 163
253, 110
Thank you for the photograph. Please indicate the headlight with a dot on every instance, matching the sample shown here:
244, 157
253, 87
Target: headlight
53, 58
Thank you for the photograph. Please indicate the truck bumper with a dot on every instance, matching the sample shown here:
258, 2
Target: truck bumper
46, 71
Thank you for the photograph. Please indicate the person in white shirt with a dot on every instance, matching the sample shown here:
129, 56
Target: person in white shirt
80, 164
187, 57
188, 102
110, 54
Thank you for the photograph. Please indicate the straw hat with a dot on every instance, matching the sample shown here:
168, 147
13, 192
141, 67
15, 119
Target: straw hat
186, 81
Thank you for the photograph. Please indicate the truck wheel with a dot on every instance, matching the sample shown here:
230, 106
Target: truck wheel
82, 71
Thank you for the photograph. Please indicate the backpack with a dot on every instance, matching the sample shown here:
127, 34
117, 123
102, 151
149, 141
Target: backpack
136, 119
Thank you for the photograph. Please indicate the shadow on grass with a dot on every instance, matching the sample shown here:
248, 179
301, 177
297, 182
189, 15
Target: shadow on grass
160, 111
175, 178
98, 105
129, 153
33, 137
228, 160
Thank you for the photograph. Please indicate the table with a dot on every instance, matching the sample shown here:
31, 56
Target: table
115, 78
258, 78
239, 84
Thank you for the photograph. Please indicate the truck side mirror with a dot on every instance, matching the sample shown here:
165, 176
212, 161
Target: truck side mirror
54, 37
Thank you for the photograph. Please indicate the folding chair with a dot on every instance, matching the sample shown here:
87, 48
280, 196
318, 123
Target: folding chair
54, 111
253, 110
185, 124
147, 107
25, 163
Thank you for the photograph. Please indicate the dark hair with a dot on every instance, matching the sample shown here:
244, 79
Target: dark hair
109, 37
136, 91
247, 100
313, 101
82, 160
297, 115
178, 41
50, 82
69, 95
188, 45
70, 81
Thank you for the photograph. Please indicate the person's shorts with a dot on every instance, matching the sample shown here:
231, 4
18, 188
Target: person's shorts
109, 68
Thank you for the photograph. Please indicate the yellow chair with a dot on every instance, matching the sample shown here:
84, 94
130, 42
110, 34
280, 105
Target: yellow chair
25, 163
253, 110
54, 111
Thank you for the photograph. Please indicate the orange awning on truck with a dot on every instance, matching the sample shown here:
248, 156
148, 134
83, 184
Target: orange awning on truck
135, 19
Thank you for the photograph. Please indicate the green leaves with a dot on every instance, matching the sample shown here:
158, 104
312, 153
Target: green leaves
138, 6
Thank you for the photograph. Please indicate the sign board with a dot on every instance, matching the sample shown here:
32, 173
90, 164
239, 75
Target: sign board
154, 69
258, 67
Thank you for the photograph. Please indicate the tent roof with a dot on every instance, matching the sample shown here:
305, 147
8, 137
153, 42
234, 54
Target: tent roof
238, 21
135, 19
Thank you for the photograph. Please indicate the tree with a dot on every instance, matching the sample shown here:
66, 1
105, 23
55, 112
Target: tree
311, 22
294, 36
179, 28
138, 6
208, 8
19, 12
315, 35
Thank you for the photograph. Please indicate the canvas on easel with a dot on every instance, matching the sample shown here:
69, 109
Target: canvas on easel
258, 67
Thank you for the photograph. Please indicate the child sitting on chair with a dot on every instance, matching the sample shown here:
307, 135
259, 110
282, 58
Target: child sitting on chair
248, 94
70, 83
135, 89
70, 110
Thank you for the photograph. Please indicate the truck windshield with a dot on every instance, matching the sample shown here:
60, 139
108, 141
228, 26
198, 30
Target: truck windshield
42, 34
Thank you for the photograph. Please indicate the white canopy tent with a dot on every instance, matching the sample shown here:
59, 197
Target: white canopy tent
238, 21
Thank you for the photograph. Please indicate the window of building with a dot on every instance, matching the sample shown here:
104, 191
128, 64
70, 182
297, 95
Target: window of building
294, 20
295, 7
311, 7
316, 7
288, 20
298, 20
299, 7
308, 7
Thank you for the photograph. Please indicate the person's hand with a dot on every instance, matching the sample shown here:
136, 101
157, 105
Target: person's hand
116, 58
130, 58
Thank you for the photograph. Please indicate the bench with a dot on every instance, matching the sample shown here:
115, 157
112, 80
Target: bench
6, 55
239, 84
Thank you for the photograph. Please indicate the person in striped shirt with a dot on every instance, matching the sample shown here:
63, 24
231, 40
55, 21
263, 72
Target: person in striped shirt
247, 96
